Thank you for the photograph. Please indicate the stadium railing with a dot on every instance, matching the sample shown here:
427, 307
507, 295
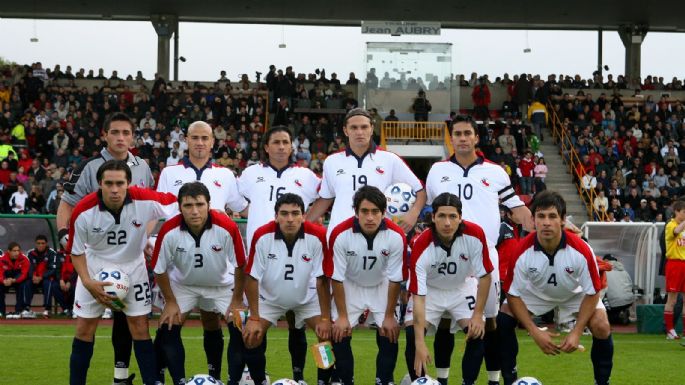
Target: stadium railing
410, 131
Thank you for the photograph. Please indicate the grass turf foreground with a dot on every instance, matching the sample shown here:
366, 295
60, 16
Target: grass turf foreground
39, 354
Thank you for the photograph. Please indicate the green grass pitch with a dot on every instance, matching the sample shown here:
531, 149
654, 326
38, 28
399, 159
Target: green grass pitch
39, 354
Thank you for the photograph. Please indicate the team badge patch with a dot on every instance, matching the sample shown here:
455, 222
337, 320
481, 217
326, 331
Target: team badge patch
298, 183
385, 252
136, 224
306, 258
485, 182
463, 257
217, 248
380, 170
569, 269
217, 183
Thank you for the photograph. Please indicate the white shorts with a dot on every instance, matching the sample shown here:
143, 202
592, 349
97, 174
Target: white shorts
453, 304
138, 301
272, 311
567, 310
360, 298
214, 299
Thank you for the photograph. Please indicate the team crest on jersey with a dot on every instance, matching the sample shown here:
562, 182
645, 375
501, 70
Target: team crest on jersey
385, 252
217, 183
217, 248
444, 179
380, 170
306, 258
178, 182
136, 224
569, 269
463, 257
298, 183
350, 253
339, 172
97, 230
260, 179
485, 182
271, 256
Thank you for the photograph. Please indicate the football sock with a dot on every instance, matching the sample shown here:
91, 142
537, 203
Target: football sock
443, 345
344, 361
145, 355
214, 350
174, 353
323, 376
492, 355
472, 359
79, 362
385, 359
508, 347
159, 353
297, 345
256, 362
410, 352
668, 320
121, 342
235, 355
602, 355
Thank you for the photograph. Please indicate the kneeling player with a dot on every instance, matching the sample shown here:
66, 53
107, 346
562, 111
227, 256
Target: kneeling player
195, 254
368, 257
286, 256
555, 269
443, 259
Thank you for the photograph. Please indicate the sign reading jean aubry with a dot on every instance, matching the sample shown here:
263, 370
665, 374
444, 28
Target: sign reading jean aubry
397, 28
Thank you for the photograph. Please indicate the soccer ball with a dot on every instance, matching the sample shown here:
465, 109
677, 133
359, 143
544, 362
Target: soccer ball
119, 286
425, 381
400, 199
203, 379
284, 381
246, 379
527, 381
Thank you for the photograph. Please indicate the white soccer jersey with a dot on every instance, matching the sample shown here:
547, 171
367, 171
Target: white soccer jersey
262, 184
571, 270
205, 260
344, 173
222, 185
367, 261
480, 186
434, 265
285, 271
116, 237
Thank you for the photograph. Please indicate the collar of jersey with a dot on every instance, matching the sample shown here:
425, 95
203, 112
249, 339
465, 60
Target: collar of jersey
101, 202
436, 239
187, 163
130, 159
357, 228
278, 172
371, 150
279, 235
562, 245
208, 223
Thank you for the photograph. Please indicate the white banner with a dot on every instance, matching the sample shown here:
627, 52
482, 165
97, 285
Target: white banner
397, 28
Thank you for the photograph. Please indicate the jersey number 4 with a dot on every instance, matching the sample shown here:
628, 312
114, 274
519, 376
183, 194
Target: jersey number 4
552, 279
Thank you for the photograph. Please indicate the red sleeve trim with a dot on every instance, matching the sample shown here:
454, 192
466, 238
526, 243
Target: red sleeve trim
422, 243
222, 220
580, 246
85, 204
337, 230
163, 231
144, 194
394, 227
473, 230
320, 233
523, 245
25, 266
266, 229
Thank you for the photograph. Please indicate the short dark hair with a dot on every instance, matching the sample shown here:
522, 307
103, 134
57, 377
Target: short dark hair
41, 237
464, 119
12, 245
356, 112
118, 117
446, 199
678, 205
548, 199
194, 190
267, 136
114, 165
371, 194
289, 198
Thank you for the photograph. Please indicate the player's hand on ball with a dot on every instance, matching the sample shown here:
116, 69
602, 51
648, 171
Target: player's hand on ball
390, 328
422, 359
252, 333
341, 329
96, 289
476, 327
171, 314
545, 342
323, 329
570, 343
408, 221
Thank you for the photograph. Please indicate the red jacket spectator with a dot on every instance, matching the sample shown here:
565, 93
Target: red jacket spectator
481, 95
11, 267
67, 268
526, 165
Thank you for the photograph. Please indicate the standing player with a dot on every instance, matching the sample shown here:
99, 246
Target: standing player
223, 189
481, 186
262, 184
444, 259
285, 256
199, 249
675, 265
107, 228
361, 164
555, 269
119, 137
369, 251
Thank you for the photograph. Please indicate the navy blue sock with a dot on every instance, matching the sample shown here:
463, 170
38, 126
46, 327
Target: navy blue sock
214, 350
174, 353
121, 340
145, 355
443, 346
79, 362
297, 345
602, 359
385, 359
256, 362
508, 347
491, 351
410, 352
323, 376
235, 355
472, 359
344, 361
160, 355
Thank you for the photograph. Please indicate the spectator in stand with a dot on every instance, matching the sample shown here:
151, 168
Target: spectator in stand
301, 148
421, 107
506, 141
391, 117
522, 94
537, 116
18, 200
540, 172
600, 203
15, 274
481, 99
36, 200
525, 173
589, 182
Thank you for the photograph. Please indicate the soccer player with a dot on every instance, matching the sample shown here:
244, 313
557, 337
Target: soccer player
107, 228
556, 270
481, 186
286, 255
369, 251
15, 273
119, 137
675, 265
444, 259
262, 184
361, 164
194, 254
48, 267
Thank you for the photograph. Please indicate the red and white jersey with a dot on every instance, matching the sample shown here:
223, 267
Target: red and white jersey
367, 260
572, 269
481, 187
434, 265
285, 271
204, 260
117, 237
262, 184
344, 173
222, 185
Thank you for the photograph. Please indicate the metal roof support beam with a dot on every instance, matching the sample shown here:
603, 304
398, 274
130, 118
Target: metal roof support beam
632, 37
166, 25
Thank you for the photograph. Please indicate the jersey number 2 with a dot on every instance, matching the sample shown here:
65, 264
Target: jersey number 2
289, 269
116, 237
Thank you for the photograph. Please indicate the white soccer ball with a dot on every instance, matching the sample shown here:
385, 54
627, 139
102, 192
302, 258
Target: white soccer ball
284, 381
119, 280
425, 381
246, 379
527, 381
203, 379
400, 198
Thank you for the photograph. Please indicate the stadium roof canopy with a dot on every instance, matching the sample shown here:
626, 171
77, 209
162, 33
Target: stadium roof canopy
665, 15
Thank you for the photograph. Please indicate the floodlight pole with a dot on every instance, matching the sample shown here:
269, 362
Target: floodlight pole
165, 25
